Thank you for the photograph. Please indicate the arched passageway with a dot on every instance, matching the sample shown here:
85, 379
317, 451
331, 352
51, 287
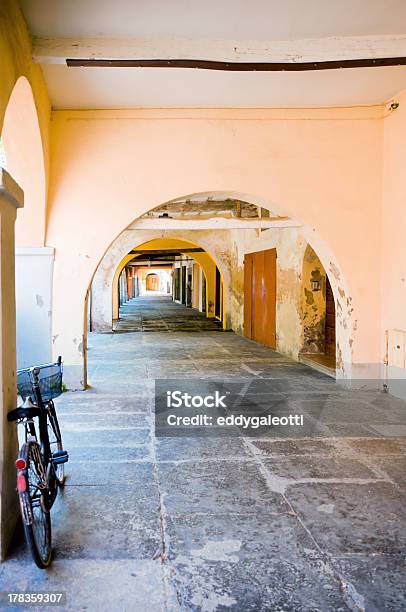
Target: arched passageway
265, 305
219, 229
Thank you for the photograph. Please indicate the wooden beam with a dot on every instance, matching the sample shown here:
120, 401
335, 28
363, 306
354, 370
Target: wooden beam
214, 223
308, 51
237, 66
165, 251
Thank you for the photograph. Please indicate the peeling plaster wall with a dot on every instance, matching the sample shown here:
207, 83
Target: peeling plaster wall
289, 244
313, 303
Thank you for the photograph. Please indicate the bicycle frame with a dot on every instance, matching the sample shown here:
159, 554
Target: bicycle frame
43, 417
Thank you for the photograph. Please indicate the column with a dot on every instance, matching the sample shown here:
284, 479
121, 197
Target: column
11, 198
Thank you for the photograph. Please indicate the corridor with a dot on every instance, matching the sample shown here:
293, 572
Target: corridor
159, 313
264, 523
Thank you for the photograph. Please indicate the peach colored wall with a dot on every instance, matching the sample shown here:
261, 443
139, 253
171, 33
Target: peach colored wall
16, 62
394, 223
322, 166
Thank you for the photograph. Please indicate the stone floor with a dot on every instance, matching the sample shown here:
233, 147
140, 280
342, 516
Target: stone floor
151, 313
309, 523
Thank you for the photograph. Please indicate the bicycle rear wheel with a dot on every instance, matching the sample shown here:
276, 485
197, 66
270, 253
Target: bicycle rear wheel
34, 496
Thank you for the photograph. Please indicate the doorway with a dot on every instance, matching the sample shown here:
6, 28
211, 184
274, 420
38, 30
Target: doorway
260, 297
152, 282
318, 316
183, 285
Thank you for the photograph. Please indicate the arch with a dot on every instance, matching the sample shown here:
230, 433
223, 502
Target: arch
24, 155
101, 276
109, 279
152, 282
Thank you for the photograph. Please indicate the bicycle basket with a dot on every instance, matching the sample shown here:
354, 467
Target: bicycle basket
50, 381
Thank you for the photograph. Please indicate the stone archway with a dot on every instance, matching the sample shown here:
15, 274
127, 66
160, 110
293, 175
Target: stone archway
70, 335
105, 308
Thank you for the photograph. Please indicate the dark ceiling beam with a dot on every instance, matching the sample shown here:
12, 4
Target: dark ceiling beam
237, 66
165, 251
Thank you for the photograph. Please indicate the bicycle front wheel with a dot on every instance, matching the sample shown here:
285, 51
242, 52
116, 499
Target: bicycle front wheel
33, 494
53, 419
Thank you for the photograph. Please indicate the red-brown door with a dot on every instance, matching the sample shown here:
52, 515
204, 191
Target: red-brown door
260, 297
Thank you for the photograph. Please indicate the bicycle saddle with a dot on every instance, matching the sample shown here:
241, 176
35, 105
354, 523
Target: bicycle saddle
26, 411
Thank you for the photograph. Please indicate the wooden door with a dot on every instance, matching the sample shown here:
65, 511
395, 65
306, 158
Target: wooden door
260, 297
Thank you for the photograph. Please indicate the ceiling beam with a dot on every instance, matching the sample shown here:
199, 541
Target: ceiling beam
237, 66
214, 223
166, 251
296, 52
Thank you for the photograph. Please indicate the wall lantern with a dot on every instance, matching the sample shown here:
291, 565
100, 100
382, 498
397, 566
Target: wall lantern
315, 285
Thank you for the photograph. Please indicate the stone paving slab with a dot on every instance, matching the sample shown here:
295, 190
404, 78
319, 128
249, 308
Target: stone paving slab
97, 585
261, 562
120, 436
189, 449
215, 487
353, 517
107, 522
382, 578
297, 448
318, 468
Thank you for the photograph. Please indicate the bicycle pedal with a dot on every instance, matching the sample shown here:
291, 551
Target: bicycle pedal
60, 457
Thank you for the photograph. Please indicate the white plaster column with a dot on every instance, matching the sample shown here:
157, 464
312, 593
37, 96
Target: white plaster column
11, 198
34, 275
101, 316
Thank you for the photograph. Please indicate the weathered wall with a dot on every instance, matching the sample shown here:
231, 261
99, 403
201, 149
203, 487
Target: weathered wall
393, 270
313, 303
289, 244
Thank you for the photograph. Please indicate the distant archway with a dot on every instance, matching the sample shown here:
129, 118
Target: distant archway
152, 282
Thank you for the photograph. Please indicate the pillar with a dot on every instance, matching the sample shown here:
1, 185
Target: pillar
11, 198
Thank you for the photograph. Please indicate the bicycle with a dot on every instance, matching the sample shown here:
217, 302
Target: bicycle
40, 468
